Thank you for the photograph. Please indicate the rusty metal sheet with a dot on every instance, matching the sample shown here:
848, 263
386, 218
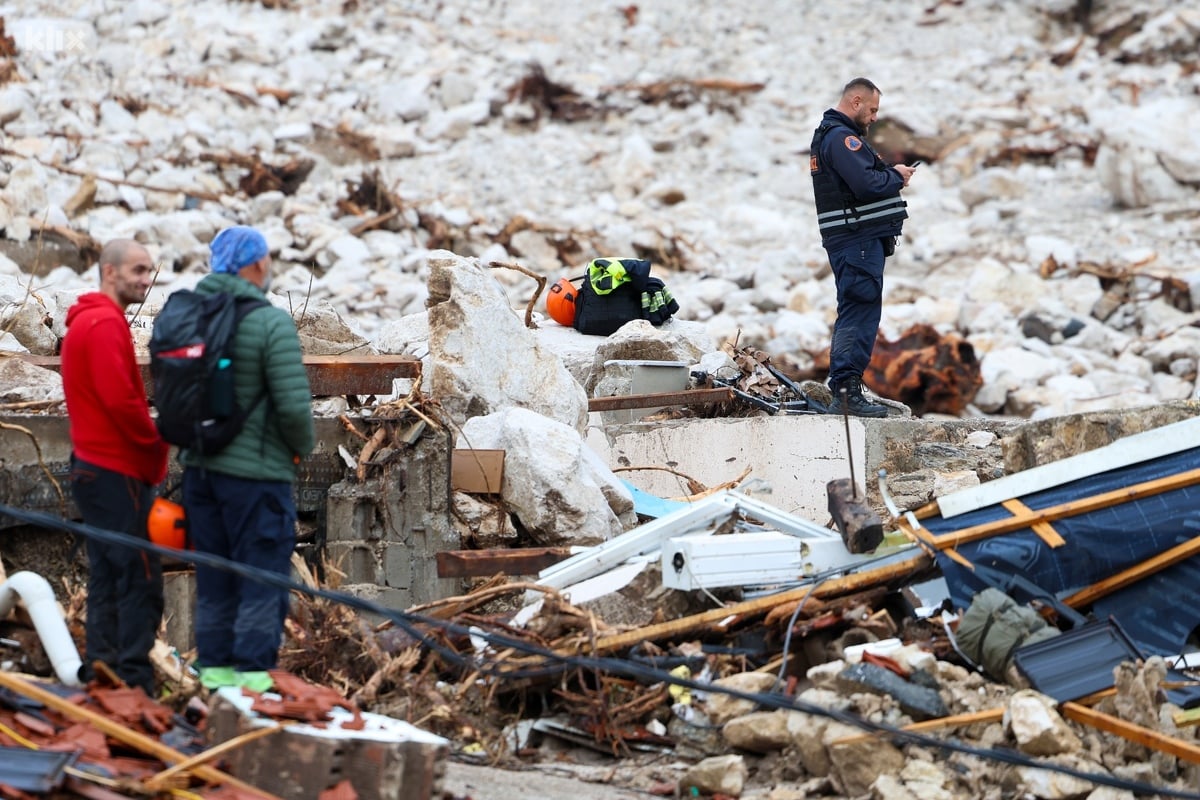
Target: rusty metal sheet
485, 563
328, 376
684, 398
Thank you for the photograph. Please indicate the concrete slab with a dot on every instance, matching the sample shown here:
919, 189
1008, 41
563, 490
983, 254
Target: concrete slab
792, 457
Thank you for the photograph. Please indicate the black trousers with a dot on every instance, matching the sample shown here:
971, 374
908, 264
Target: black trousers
239, 621
858, 273
125, 589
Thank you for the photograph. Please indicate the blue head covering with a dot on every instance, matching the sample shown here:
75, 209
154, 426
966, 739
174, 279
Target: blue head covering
237, 247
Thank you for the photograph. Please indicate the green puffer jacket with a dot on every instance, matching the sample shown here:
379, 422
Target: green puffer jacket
279, 432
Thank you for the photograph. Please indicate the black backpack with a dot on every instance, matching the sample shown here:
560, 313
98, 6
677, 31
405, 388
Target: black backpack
602, 314
191, 365
617, 290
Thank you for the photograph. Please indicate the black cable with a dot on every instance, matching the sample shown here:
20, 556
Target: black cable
787, 637
412, 624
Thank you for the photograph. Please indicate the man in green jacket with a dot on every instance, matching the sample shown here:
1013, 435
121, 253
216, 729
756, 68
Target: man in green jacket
239, 501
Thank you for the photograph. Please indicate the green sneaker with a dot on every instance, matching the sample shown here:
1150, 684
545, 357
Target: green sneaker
255, 681
216, 677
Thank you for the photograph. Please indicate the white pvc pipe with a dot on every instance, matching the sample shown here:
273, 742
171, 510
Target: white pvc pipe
39, 600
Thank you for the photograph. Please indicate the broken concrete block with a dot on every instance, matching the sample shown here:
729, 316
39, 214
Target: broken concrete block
1037, 726
484, 524
22, 382
919, 702
356, 560
384, 596
918, 771
483, 357
9, 344
323, 332
723, 774
856, 766
808, 741
558, 489
694, 734
889, 787
352, 511
758, 731
27, 322
1043, 783
398, 565
825, 698
1109, 793
824, 676
927, 780
721, 708
791, 793
387, 760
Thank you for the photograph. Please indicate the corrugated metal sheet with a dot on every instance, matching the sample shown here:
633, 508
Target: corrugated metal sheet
1077, 663
1160, 612
33, 770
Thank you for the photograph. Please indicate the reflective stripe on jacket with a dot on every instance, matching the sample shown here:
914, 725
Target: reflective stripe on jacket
857, 194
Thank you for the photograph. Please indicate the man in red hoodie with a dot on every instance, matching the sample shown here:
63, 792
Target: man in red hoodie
117, 459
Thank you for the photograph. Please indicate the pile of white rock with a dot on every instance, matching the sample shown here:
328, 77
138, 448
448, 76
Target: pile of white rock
1056, 225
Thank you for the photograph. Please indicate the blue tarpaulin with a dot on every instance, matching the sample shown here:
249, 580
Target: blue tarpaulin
1159, 612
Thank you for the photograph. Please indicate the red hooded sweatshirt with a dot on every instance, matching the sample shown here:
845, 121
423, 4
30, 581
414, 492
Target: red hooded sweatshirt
106, 401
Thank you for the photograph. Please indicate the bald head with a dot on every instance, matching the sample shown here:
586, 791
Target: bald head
126, 271
859, 86
860, 102
118, 251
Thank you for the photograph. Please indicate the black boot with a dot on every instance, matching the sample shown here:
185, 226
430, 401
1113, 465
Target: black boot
856, 404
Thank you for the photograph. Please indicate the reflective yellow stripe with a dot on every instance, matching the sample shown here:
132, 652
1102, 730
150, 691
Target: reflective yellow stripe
606, 274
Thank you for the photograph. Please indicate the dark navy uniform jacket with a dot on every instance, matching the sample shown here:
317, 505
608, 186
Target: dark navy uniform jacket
857, 194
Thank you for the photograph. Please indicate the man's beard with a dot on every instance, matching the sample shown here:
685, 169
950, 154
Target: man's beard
130, 296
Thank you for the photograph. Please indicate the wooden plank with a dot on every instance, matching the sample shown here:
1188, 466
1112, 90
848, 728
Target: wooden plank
930, 509
955, 721
1181, 718
477, 471
139, 741
328, 376
1044, 530
657, 399
485, 563
834, 587
1070, 508
1090, 594
1134, 733
924, 540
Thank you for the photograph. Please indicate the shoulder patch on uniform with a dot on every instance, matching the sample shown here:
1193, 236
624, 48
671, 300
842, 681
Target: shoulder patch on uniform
853, 143
812, 164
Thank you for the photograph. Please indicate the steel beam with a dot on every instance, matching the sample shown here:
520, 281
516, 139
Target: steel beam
328, 376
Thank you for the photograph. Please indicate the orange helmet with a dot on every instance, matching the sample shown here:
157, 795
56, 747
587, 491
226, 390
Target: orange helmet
560, 302
167, 525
